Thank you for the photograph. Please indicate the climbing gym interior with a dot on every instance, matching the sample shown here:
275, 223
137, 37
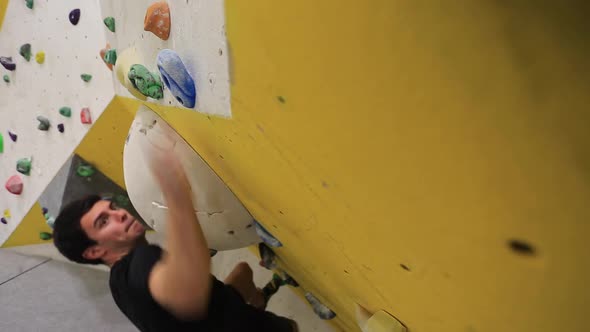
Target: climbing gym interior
397, 165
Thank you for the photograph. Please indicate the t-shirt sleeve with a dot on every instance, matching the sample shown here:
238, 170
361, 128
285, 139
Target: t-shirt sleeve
141, 264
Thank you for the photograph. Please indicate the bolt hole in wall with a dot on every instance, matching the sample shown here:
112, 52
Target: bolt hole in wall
521, 247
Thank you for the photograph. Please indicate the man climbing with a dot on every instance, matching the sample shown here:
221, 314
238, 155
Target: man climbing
163, 290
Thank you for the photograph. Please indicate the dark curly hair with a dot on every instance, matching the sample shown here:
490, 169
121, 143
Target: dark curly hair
68, 235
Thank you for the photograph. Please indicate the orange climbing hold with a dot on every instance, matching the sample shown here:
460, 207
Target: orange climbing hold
157, 20
14, 185
103, 52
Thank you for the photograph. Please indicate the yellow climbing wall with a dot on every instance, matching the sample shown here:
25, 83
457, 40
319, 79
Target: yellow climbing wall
3, 6
27, 232
103, 145
397, 147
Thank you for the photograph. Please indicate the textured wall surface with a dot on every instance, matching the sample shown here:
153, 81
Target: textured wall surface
41, 89
197, 35
430, 160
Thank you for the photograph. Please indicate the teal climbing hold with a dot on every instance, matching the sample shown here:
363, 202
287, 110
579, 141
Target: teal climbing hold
147, 83
25, 51
110, 23
110, 56
23, 166
6, 78
86, 77
30, 4
65, 111
1, 143
85, 170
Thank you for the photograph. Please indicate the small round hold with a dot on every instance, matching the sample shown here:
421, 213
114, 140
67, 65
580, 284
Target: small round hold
14, 185
6, 78
3, 220
86, 77
75, 16
40, 57
45, 210
61, 127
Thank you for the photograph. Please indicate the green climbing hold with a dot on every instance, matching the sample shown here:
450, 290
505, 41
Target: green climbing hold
147, 83
23, 166
65, 111
110, 56
25, 51
30, 4
85, 170
43, 123
86, 77
46, 215
1, 143
45, 236
6, 78
110, 23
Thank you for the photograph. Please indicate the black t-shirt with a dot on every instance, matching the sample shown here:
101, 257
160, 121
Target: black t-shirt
227, 310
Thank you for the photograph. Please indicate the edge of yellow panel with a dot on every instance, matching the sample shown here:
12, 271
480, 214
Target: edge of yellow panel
103, 145
3, 6
27, 232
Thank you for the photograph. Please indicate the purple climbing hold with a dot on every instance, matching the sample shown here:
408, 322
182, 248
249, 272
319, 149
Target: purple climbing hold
4, 221
61, 128
6, 61
75, 16
45, 210
13, 136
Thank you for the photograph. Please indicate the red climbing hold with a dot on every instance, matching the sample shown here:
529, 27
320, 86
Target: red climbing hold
85, 115
14, 185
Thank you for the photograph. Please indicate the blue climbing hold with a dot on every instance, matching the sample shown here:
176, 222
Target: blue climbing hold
177, 79
266, 236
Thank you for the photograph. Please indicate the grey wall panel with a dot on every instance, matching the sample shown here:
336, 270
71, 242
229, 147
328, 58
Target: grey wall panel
12, 264
53, 194
60, 296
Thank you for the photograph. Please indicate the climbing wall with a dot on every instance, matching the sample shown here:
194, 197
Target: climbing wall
197, 34
427, 160
41, 89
